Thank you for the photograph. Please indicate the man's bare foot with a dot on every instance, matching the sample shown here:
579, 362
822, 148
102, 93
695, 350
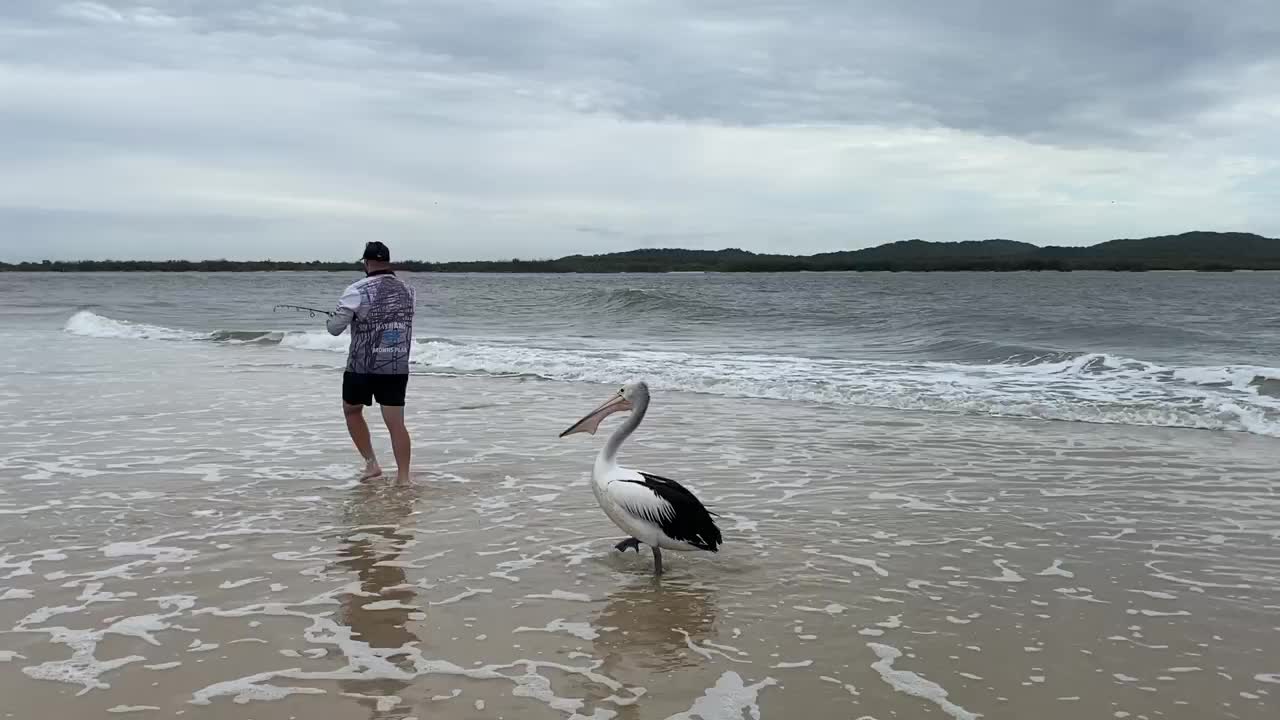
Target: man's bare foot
371, 470
402, 477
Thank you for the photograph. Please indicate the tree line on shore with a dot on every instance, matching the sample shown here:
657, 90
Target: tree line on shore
1202, 251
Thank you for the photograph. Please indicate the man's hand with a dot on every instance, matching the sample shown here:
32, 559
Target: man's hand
339, 320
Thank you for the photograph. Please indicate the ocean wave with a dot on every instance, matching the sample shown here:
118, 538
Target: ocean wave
89, 324
315, 341
1081, 387
86, 323
631, 301
1093, 388
971, 350
246, 337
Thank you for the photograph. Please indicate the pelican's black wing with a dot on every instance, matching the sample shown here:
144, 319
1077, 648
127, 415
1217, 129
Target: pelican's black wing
688, 521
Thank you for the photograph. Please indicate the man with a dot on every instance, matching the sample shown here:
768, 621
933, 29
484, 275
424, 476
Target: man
379, 310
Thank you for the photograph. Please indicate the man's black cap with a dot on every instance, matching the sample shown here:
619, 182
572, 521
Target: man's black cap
376, 251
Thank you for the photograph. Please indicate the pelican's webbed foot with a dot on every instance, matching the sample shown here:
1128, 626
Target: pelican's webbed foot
628, 544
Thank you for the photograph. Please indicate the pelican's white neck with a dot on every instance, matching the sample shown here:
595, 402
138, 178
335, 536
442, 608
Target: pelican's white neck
609, 453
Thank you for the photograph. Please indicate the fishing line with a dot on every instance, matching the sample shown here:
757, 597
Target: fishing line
301, 308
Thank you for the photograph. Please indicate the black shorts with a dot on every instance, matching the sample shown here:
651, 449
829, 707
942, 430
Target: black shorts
363, 388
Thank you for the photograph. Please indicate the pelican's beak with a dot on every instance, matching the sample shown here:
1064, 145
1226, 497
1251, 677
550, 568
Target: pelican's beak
588, 424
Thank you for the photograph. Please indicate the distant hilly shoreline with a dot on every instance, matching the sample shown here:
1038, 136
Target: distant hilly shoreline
1202, 251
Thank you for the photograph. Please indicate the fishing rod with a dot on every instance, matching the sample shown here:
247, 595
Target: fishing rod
301, 308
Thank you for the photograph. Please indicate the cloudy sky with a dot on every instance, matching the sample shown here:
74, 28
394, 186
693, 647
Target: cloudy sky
496, 128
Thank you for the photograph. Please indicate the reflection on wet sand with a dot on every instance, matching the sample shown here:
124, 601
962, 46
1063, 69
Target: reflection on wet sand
655, 621
652, 626
381, 614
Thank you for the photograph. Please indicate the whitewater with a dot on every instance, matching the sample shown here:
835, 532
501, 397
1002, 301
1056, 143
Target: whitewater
1087, 387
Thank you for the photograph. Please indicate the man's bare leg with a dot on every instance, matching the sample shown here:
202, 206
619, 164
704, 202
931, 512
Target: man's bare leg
400, 442
359, 430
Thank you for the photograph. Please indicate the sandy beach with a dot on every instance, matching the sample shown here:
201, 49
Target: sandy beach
961, 319
171, 548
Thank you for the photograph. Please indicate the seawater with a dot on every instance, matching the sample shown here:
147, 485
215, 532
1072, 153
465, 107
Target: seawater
971, 496
1164, 349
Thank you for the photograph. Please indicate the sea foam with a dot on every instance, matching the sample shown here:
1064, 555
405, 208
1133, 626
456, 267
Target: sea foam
910, 683
1090, 387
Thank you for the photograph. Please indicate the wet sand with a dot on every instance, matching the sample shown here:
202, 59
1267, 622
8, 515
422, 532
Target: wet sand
200, 549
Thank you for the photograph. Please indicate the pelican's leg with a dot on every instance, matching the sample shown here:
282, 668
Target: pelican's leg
628, 544
657, 560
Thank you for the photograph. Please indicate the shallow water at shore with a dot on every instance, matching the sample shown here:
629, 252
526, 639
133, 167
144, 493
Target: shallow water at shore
185, 536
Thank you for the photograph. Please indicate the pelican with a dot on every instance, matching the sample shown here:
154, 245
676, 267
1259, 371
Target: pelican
652, 510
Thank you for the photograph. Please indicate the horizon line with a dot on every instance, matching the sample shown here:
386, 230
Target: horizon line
634, 250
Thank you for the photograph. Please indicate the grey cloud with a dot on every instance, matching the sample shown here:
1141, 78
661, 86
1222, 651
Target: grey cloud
1046, 70
37, 234
576, 125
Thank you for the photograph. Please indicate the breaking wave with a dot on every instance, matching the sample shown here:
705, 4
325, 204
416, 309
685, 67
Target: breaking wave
638, 301
1081, 387
90, 324
1090, 388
